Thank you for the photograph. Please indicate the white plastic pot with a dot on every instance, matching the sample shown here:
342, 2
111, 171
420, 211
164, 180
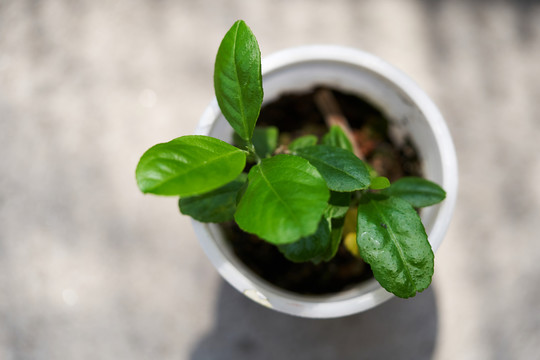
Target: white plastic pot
407, 107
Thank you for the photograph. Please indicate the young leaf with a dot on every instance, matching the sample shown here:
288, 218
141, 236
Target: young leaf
238, 80
392, 239
302, 142
341, 169
217, 205
188, 165
310, 248
264, 140
416, 191
336, 137
350, 244
284, 200
379, 183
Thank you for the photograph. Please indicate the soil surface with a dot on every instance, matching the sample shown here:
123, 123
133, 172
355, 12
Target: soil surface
296, 114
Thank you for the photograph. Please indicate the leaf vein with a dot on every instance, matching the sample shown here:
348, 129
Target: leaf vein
241, 97
289, 210
203, 164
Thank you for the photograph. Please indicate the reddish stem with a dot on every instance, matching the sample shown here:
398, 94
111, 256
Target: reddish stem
329, 107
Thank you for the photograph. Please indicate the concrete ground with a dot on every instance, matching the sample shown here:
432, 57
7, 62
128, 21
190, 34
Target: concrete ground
92, 269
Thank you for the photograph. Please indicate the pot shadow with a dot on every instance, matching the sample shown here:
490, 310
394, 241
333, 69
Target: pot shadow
397, 329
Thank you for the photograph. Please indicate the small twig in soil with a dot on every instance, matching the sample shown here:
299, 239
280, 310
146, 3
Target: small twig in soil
329, 107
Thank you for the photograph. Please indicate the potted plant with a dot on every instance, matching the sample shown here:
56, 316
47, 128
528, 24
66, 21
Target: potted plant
297, 197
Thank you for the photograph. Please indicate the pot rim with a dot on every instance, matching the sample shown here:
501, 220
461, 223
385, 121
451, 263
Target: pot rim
344, 303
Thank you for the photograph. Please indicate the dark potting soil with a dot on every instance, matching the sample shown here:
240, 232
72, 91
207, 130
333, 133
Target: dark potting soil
296, 115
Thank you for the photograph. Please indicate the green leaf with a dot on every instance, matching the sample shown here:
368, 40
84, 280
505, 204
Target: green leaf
264, 140
189, 165
310, 248
416, 191
392, 239
336, 234
284, 201
321, 246
379, 183
241, 191
336, 137
302, 142
217, 205
338, 205
238, 79
341, 169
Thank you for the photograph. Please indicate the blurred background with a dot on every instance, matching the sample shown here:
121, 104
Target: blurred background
90, 268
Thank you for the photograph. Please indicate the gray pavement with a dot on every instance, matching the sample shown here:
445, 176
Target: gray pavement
91, 269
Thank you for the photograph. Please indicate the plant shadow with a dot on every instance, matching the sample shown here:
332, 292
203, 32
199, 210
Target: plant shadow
397, 329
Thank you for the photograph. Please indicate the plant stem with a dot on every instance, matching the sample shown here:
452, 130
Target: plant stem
251, 149
329, 107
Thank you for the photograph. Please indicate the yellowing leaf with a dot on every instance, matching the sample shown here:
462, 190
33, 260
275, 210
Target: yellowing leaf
350, 243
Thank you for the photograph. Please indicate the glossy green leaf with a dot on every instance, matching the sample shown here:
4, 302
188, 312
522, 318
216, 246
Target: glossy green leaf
215, 206
336, 137
379, 183
264, 140
284, 201
302, 142
338, 205
189, 165
238, 80
341, 169
416, 191
392, 239
310, 248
